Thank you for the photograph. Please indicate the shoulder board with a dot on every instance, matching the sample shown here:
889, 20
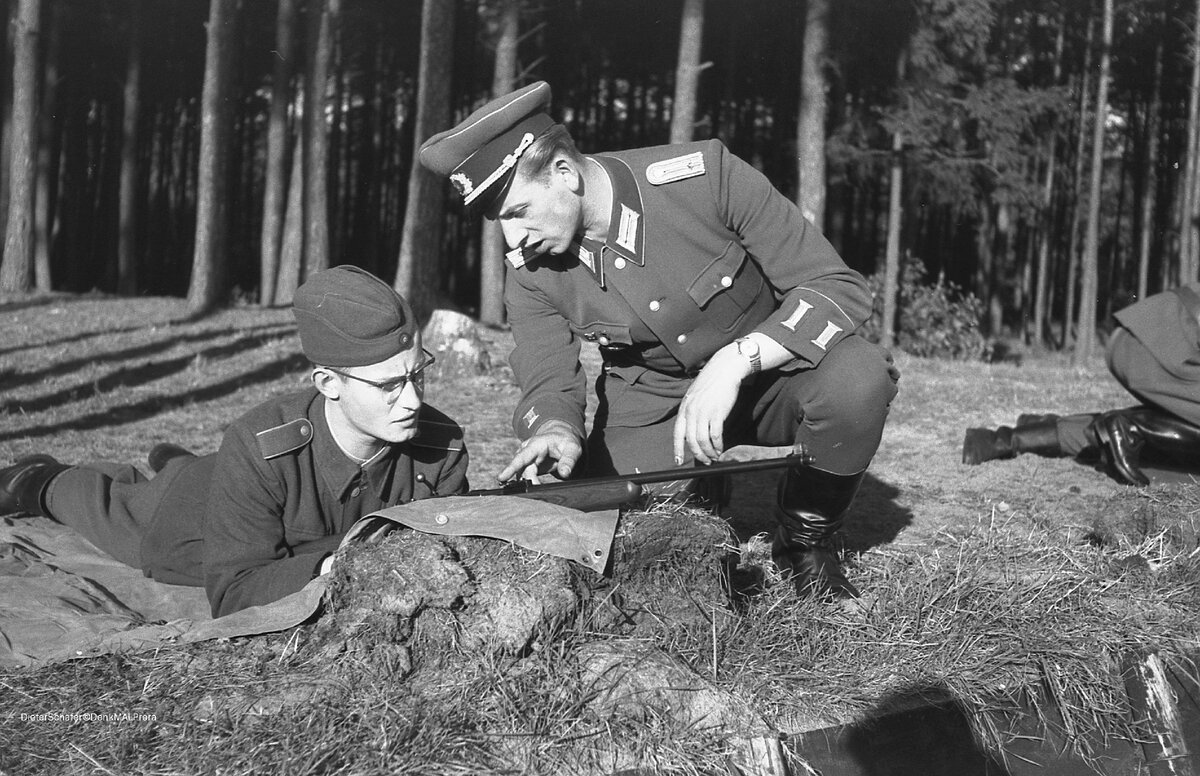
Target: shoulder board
438, 435
284, 439
676, 169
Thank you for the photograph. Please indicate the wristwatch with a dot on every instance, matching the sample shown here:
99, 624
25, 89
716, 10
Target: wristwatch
747, 348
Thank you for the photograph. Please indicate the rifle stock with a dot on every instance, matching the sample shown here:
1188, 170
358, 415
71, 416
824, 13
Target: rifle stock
591, 494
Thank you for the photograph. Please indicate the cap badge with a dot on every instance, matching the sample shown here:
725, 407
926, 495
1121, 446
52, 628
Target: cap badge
510, 161
462, 183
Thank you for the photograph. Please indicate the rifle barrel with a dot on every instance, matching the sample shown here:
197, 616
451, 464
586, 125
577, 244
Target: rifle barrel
518, 487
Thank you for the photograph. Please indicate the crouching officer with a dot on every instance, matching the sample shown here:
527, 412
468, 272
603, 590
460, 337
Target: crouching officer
722, 316
262, 516
1155, 354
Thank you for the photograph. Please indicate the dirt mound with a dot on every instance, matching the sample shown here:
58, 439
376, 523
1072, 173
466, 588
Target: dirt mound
413, 598
670, 567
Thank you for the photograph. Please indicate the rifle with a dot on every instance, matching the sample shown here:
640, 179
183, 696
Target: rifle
591, 494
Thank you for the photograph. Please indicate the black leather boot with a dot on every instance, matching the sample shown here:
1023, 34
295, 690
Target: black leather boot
810, 509
1039, 437
163, 453
23, 483
1128, 435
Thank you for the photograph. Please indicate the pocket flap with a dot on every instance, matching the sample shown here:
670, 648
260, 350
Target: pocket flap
719, 275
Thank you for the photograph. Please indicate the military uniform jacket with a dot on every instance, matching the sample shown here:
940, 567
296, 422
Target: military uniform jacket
701, 249
282, 494
1168, 324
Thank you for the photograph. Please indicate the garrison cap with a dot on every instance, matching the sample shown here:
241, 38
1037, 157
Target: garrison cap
481, 153
348, 317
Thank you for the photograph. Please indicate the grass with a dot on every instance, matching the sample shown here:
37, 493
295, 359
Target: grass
993, 585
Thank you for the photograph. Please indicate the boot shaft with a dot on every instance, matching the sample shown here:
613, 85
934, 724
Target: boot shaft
23, 484
1038, 435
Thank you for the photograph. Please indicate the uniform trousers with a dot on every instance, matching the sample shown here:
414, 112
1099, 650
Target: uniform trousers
836, 411
153, 524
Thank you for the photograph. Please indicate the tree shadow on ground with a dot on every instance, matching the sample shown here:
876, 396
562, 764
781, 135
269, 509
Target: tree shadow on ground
252, 337
874, 518
78, 337
42, 300
926, 729
919, 730
131, 413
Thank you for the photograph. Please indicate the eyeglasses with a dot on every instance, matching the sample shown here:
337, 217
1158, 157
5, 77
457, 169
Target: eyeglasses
394, 387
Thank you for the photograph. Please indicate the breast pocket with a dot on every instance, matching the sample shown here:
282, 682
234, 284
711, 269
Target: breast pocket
728, 287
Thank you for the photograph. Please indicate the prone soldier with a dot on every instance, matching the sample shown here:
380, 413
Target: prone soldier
1154, 352
262, 516
722, 316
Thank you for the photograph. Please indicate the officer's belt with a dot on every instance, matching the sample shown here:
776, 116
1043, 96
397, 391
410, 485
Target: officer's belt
629, 370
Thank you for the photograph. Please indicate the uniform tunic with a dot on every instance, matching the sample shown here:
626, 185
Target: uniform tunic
1155, 353
253, 521
701, 250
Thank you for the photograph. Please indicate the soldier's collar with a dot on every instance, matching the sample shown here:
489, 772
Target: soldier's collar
336, 467
626, 232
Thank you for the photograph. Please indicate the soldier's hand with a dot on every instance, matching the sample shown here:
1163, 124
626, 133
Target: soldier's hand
700, 425
555, 445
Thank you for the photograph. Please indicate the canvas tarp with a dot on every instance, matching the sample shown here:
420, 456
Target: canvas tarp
61, 598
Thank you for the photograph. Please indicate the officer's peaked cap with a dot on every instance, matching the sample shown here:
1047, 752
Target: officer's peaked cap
480, 154
348, 317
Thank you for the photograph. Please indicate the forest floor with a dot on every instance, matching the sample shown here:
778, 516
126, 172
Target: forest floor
987, 586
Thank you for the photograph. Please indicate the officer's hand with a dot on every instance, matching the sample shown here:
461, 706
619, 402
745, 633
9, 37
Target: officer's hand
554, 441
700, 425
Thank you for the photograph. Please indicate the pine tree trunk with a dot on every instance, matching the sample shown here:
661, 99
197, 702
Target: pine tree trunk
1189, 227
1187, 188
9, 17
420, 246
810, 131
209, 262
687, 71
1089, 280
1153, 112
1073, 258
1041, 303
16, 272
316, 156
44, 222
491, 254
891, 272
891, 267
127, 259
291, 251
275, 184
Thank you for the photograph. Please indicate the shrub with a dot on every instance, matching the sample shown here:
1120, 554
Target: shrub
938, 320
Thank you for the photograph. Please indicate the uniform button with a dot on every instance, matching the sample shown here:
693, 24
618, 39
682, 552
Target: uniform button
726, 281
682, 338
602, 340
619, 263
655, 305
354, 493
304, 431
